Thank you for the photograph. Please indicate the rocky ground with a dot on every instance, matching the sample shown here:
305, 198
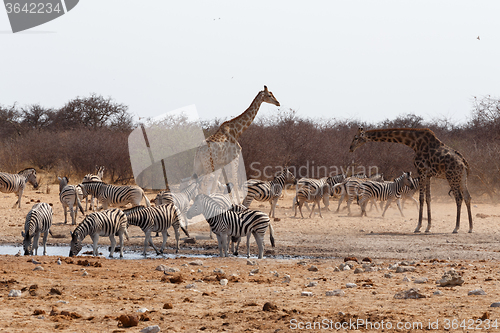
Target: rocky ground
303, 283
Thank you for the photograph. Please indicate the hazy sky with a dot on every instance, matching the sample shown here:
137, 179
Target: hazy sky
367, 60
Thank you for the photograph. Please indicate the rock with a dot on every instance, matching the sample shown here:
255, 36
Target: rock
495, 305
18, 254
302, 262
59, 262
438, 293
190, 240
168, 306
223, 282
15, 293
366, 259
269, 307
251, 262
286, 279
336, 269
393, 266
128, 320
161, 268
403, 269
254, 271
388, 275
409, 294
55, 291
306, 293
38, 268
337, 292
176, 279
371, 269
151, 329
85, 273
345, 267
142, 310
421, 280
351, 285
196, 263
476, 292
405, 279
451, 278
358, 270
190, 286
350, 259
312, 284
313, 269
35, 262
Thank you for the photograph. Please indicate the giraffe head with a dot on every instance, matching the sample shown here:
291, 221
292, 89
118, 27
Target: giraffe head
269, 97
359, 140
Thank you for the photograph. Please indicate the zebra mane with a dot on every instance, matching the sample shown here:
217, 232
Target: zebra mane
26, 171
94, 183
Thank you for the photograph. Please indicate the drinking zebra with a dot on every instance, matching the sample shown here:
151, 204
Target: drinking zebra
70, 196
312, 194
38, 220
181, 200
93, 178
16, 183
155, 219
115, 195
107, 223
372, 190
229, 223
268, 191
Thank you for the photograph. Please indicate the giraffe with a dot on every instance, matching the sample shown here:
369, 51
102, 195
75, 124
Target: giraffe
222, 148
432, 159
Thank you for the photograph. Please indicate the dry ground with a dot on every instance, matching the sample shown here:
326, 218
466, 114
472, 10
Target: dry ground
61, 298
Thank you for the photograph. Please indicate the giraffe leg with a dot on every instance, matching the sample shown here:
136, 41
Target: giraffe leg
421, 207
458, 200
467, 198
428, 201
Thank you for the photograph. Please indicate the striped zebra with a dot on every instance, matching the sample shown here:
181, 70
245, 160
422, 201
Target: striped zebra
349, 189
334, 180
181, 200
155, 219
93, 178
268, 191
226, 224
115, 195
70, 196
312, 194
312, 184
372, 190
107, 223
16, 183
407, 193
38, 220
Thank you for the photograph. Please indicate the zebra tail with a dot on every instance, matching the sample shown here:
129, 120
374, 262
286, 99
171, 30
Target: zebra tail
79, 205
185, 231
148, 204
271, 234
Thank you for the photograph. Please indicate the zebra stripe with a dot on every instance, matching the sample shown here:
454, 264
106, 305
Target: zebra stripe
116, 195
349, 189
310, 193
407, 193
181, 200
70, 196
229, 223
372, 190
93, 178
16, 183
268, 191
107, 223
38, 220
155, 219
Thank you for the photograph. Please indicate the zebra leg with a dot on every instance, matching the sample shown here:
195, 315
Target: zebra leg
120, 237
19, 195
113, 245
389, 201
274, 202
398, 202
220, 243
248, 244
147, 239
65, 214
300, 208
35, 242
177, 236
95, 239
312, 210
45, 236
259, 239
164, 235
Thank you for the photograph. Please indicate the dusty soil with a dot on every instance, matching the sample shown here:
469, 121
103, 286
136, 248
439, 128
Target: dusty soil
65, 298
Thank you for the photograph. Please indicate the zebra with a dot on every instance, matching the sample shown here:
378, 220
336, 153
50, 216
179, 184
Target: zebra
181, 200
407, 193
312, 184
16, 183
155, 219
109, 223
372, 190
116, 195
314, 195
229, 223
93, 178
268, 191
70, 196
38, 220
349, 189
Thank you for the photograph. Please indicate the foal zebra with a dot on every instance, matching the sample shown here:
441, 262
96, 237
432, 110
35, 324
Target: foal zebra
268, 191
229, 223
93, 178
16, 183
70, 196
116, 195
38, 220
371, 190
181, 200
312, 194
155, 219
107, 223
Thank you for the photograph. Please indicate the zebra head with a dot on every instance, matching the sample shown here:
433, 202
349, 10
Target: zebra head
289, 177
75, 246
198, 206
30, 175
359, 140
28, 248
406, 180
62, 183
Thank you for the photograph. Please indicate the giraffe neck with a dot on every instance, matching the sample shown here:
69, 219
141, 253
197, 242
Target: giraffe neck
416, 139
235, 127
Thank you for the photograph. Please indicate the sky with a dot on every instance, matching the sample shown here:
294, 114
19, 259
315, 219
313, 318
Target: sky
362, 60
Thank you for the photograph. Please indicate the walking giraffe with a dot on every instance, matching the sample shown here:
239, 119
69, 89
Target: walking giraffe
222, 148
432, 159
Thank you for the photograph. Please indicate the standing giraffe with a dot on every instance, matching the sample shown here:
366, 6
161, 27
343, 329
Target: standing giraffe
432, 159
222, 148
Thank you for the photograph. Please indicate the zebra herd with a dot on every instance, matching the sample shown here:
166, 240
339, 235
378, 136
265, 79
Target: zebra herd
230, 222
